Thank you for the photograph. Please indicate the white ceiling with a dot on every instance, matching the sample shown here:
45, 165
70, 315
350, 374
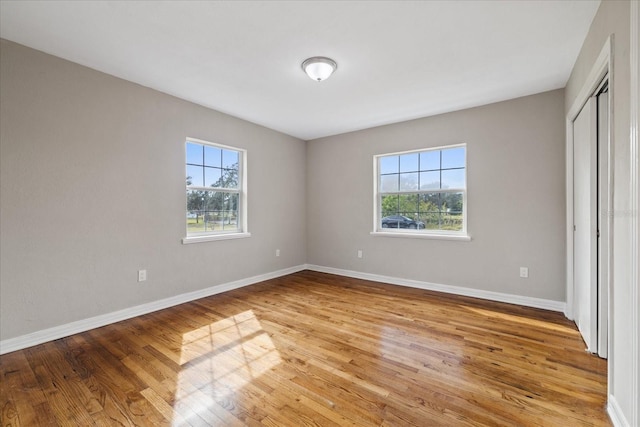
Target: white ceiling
397, 60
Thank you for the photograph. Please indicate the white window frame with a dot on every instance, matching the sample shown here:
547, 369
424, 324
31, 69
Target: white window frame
461, 235
242, 231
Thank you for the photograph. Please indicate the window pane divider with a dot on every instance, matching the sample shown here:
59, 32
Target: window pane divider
216, 189
435, 190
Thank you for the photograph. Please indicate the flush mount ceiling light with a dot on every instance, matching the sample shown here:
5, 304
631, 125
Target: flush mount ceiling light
319, 68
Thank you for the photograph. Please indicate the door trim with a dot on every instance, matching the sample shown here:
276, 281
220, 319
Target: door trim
634, 54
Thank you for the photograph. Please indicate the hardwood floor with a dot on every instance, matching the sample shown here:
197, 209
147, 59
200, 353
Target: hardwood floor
314, 349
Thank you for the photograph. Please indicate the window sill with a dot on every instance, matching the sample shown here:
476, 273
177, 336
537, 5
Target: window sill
422, 235
214, 237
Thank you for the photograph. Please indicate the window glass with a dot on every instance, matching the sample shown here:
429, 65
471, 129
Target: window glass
409, 162
212, 156
430, 160
422, 191
214, 189
194, 153
453, 158
229, 159
195, 175
212, 177
389, 164
429, 180
389, 183
408, 181
452, 178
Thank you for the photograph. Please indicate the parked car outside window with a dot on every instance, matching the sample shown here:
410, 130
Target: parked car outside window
400, 221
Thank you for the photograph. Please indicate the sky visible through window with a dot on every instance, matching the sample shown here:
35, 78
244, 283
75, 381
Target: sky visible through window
427, 170
206, 164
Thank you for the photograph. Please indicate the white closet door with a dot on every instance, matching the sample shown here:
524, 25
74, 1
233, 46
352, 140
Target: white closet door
585, 222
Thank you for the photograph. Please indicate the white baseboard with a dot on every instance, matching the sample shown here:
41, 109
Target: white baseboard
50, 334
457, 290
615, 413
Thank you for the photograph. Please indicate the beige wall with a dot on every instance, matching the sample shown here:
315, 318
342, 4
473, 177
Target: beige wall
92, 189
516, 200
612, 18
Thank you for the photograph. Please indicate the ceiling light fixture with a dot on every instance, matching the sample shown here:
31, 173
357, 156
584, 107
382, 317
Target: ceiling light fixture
319, 68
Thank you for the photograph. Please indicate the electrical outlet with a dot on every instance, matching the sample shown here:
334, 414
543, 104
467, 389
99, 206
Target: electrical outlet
359, 253
142, 275
277, 252
524, 272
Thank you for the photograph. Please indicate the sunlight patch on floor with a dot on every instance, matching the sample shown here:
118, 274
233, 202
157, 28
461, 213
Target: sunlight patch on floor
221, 358
523, 320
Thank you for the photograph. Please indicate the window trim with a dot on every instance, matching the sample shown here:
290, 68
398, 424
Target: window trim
243, 231
378, 231
213, 237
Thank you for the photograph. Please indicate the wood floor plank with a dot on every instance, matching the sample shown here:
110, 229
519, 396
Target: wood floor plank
113, 384
64, 391
25, 403
314, 349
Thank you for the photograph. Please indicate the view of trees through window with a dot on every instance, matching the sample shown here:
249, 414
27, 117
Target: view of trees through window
213, 188
423, 190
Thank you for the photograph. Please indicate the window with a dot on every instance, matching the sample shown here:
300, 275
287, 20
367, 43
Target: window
216, 196
421, 193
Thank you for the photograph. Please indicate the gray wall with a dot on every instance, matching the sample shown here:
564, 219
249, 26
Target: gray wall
92, 189
612, 18
516, 199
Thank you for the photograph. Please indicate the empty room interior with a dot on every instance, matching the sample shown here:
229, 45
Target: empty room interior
287, 213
